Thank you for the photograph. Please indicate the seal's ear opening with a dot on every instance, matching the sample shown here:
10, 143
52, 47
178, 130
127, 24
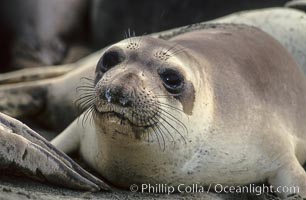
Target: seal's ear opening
109, 59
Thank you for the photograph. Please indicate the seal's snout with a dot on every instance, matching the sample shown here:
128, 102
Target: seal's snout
123, 93
117, 95
119, 91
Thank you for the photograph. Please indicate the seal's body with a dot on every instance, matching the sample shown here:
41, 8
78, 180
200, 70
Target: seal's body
224, 105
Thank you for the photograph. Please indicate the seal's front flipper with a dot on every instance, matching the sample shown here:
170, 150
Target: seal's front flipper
27, 151
290, 180
297, 4
68, 140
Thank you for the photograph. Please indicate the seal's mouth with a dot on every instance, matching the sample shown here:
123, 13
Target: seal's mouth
122, 119
112, 114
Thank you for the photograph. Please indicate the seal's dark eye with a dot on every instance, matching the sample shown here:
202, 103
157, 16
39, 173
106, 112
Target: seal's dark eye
173, 81
110, 59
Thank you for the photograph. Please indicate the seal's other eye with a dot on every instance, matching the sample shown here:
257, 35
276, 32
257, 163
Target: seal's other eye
110, 59
173, 81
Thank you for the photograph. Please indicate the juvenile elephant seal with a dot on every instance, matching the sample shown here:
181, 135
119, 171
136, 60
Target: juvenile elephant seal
53, 104
223, 105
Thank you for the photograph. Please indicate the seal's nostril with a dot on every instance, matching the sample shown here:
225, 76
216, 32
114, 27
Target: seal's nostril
123, 101
116, 96
108, 95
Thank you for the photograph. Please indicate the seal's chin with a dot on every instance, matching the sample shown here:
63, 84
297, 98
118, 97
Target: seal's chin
118, 124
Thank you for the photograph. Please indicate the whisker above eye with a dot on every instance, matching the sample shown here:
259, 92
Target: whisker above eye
171, 48
178, 51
